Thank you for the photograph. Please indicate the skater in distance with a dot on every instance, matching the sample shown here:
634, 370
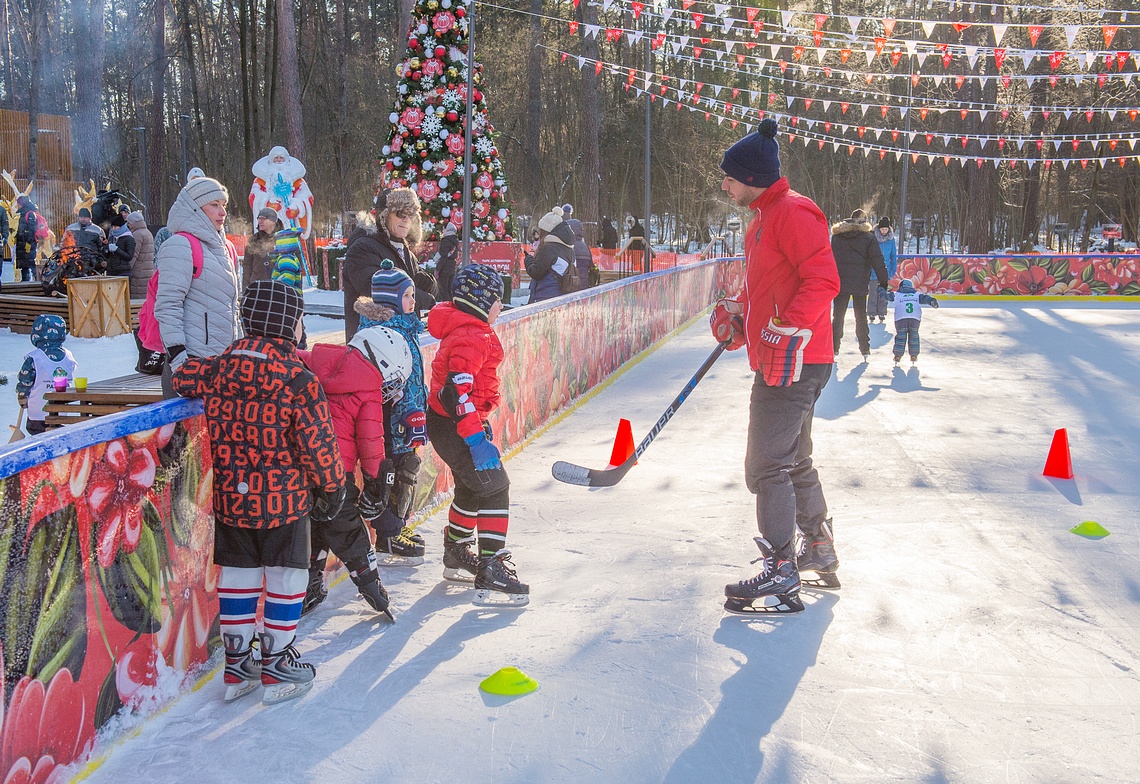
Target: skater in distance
783, 319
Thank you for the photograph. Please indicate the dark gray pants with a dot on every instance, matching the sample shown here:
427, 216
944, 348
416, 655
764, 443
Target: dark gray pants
777, 466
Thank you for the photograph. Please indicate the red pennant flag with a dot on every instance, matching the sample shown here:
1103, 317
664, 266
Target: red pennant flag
999, 58
817, 37
1013, 164
1046, 112
979, 162
960, 26
1108, 61
894, 136
820, 143
1034, 33
945, 160
914, 157
598, 68
851, 149
915, 79
771, 99
1001, 144
1132, 115
896, 55
929, 139
1048, 164
879, 44
923, 112
663, 89
1089, 116
697, 51
947, 59
794, 121
573, 27
944, 48
1121, 59
1076, 144
964, 112
659, 40
751, 13
1004, 113
735, 92
1005, 81
632, 76
862, 129
637, 9
827, 127
820, 19
843, 107
808, 102
734, 126
1052, 80
696, 100
1084, 163
1109, 33
700, 86
1112, 144
1100, 80
797, 53
827, 71
707, 115
740, 60
697, 19
576, 3
564, 56
882, 154
889, 26
1055, 59
783, 65
960, 80
883, 110
1040, 144
749, 45
869, 78
844, 54
687, 4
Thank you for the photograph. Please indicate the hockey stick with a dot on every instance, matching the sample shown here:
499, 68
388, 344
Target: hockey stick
608, 477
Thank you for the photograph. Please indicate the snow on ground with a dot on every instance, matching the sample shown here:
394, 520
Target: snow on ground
975, 639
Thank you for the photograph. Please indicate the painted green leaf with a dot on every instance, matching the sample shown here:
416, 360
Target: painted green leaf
132, 585
1087, 274
183, 502
45, 605
108, 703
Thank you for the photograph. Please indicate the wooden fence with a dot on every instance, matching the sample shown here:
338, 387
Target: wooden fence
53, 153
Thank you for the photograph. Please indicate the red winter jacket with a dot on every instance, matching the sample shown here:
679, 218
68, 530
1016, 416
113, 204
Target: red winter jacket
352, 387
271, 438
467, 345
790, 272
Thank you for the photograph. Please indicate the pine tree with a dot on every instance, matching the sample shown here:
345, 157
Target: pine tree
424, 150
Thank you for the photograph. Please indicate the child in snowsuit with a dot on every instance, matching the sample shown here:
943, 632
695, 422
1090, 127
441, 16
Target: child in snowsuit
356, 379
464, 391
393, 305
276, 467
287, 265
908, 317
48, 361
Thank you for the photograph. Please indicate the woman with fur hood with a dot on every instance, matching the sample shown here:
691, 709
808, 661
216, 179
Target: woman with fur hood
551, 268
395, 234
856, 254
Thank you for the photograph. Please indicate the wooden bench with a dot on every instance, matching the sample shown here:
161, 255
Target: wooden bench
21, 303
101, 398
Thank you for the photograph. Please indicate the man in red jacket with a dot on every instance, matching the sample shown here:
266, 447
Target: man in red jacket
790, 281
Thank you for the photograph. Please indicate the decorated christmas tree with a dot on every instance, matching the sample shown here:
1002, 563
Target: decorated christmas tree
424, 150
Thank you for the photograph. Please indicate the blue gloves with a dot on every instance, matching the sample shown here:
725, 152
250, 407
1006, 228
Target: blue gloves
484, 454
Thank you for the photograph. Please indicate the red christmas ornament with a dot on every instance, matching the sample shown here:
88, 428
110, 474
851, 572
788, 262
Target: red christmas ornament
440, 51
452, 116
413, 43
460, 12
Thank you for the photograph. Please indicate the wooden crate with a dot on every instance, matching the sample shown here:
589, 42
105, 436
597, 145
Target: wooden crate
99, 306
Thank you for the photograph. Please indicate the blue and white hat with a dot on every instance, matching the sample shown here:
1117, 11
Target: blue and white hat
389, 285
475, 290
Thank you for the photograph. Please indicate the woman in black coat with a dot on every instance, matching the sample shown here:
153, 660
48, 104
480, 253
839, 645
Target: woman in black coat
856, 253
394, 235
448, 261
551, 268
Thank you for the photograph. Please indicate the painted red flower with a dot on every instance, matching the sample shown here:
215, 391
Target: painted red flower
397, 143
136, 672
921, 273
115, 492
455, 143
481, 209
432, 67
43, 730
445, 167
1034, 280
484, 180
428, 190
1117, 276
412, 117
443, 22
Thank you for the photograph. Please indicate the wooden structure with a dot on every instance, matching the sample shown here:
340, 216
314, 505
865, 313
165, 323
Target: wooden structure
53, 145
99, 306
101, 398
20, 303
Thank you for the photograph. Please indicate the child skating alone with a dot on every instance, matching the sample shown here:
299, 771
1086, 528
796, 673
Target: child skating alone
908, 317
393, 306
464, 391
276, 466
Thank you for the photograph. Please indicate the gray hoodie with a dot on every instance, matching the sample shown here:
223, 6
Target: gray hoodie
200, 313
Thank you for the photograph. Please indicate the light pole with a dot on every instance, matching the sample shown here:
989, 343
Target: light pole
648, 142
182, 118
145, 168
468, 122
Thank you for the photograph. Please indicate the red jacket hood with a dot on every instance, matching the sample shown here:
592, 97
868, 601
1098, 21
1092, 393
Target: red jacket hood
445, 317
341, 370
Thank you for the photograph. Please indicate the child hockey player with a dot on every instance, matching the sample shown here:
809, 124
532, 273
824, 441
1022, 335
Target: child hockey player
393, 306
908, 317
272, 440
46, 362
464, 391
357, 380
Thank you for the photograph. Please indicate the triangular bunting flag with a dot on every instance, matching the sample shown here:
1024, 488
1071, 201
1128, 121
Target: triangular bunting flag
1071, 34
853, 22
928, 28
999, 33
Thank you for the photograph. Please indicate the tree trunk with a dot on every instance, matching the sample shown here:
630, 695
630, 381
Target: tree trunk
289, 72
342, 93
590, 129
156, 132
404, 18
245, 37
192, 69
532, 142
90, 49
254, 82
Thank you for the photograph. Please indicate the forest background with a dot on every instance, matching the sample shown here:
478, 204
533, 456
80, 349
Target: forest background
231, 78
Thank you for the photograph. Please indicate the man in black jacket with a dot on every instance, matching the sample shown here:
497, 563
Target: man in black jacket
856, 253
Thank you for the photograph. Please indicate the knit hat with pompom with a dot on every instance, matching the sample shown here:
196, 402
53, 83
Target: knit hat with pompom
755, 159
550, 220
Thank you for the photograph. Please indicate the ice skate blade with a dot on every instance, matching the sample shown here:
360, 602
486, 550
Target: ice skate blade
785, 605
399, 560
485, 597
827, 581
458, 575
236, 691
280, 692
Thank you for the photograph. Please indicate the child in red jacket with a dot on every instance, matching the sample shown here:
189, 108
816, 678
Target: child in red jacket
271, 440
464, 391
358, 379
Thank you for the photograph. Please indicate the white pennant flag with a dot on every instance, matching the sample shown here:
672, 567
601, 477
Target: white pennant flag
898, 155
826, 106
982, 114
911, 47
1030, 162
913, 134
719, 120
667, 14
1112, 114
1030, 81
592, 31
1068, 113
853, 22
684, 42
728, 23
811, 124
581, 63
606, 4
1064, 163
1082, 60
938, 79
682, 85
835, 146
634, 36
1071, 33
728, 47
1077, 79
720, 8
922, 58
752, 95
1027, 56
786, 18
716, 90
665, 102
865, 107
1026, 114
789, 99
928, 28
638, 91
1020, 144
985, 81
903, 110
972, 55
999, 33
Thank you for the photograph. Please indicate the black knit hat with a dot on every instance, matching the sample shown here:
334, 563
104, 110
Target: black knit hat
271, 309
755, 159
884, 222
475, 290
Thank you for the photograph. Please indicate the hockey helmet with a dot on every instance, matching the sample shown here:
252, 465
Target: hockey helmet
388, 351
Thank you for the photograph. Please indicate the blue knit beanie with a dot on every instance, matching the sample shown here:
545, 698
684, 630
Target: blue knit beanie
475, 290
48, 331
389, 285
755, 159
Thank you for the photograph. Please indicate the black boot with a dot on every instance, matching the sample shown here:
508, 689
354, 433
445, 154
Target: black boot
368, 583
496, 583
778, 577
816, 553
459, 563
316, 592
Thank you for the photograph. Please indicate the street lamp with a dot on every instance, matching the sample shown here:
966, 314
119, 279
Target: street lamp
145, 167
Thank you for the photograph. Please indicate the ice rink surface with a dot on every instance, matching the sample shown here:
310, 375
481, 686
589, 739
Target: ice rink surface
974, 640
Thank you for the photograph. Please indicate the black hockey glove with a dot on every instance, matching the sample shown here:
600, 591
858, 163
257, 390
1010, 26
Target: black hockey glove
934, 303
326, 504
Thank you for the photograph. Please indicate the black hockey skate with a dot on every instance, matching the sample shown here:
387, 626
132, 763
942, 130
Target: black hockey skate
283, 674
496, 584
243, 670
459, 563
778, 578
316, 592
816, 553
372, 590
400, 550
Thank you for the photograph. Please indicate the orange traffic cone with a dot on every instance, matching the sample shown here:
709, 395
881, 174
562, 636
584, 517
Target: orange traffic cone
1059, 464
623, 444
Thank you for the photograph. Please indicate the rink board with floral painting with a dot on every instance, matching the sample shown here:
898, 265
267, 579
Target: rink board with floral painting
1024, 274
107, 583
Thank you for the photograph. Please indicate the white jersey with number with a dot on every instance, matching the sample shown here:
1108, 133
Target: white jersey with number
907, 305
46, 369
